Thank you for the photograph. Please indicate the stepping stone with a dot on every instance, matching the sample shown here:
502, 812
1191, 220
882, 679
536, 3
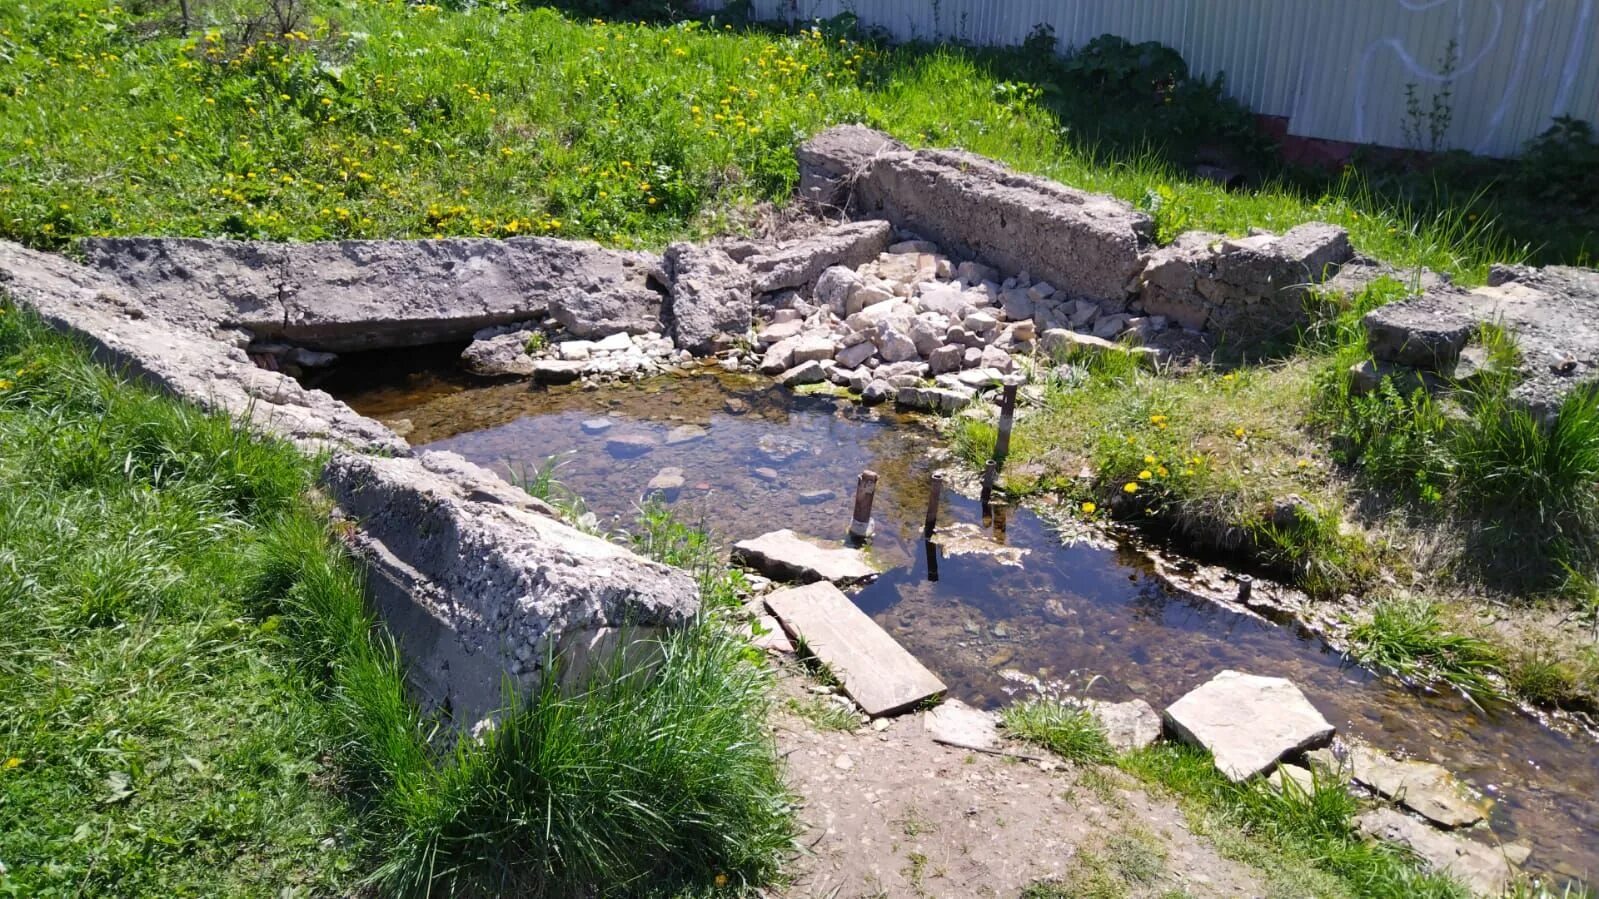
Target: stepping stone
787, 556
954, 723
1128, 725
1486, 871
1248, 722
1423, 787
597, 425
876, 672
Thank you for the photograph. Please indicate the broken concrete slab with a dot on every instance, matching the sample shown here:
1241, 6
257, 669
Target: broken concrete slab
954, 723
1129, 726
875, 671
787, 556
476, 589
830, 162
797, 264
1087, 245
372, 294
1423, 787
499, 354
711, 303
1248, 722
1551, 313
1484, 870
131, 334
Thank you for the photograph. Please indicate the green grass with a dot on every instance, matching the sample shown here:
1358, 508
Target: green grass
1070, 732
1407, 636
824, 715
199, 702
383, 119
156, 736
1306, 842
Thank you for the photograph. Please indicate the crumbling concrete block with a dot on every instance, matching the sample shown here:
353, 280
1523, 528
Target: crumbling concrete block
1241, 289
478, 586
798, 264
1086, 245
712, 301
374, 294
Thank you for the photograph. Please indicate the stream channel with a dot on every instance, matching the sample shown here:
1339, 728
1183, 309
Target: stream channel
756, 458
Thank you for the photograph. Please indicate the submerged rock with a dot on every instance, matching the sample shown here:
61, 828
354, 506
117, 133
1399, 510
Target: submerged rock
628, 446
1248, 722
1483, 869
1423, 787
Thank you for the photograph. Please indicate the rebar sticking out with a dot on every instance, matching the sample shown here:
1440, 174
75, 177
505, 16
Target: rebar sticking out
1007, 417
935, 492
860, 527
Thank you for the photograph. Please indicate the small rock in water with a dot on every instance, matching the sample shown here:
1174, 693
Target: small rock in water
667, 482
627, 446
815, 497
735, 406
597, 425
685, 434
769, 475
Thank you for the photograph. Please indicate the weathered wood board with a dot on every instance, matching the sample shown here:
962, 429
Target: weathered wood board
875, 670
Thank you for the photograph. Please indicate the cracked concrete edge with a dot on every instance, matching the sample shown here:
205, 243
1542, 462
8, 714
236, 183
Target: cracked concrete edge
479, 583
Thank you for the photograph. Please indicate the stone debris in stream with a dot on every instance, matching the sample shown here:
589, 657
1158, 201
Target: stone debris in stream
1248, 722
1128, 726
1485, 870
954, 723
628, 446
1423, 787
685, 434
597, 425
786, 556
667, 483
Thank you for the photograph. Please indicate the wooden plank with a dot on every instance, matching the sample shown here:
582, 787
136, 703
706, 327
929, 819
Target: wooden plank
875, 670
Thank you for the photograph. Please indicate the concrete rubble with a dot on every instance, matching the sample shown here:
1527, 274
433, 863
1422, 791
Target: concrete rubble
1434, 339
1483, 869
787, 556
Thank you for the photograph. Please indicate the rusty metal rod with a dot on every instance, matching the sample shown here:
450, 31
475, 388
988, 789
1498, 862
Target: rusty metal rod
932, 561
1007, 417
865, 491
1246, 585
990, 474
935, 492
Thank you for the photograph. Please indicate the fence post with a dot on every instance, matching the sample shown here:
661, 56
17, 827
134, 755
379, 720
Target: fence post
1007, 417
935, 492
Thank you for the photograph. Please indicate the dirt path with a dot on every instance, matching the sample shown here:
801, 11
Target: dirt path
891, 813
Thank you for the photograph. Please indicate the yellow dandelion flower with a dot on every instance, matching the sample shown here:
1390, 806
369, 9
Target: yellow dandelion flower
1162, 471
12, 763
1239, 433
1145, 475
1149, 460
1130, 487
1088, 508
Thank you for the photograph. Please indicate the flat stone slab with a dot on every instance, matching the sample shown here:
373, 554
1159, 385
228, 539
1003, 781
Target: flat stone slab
1248, 722
876, 672
1483, 869
1128, 725
787, 556
954, 723
1423, 787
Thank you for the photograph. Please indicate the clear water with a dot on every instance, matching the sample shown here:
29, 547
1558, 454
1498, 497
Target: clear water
768, 460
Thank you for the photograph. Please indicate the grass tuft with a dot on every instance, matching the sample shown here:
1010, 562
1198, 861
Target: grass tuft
1407, 636
1069, 731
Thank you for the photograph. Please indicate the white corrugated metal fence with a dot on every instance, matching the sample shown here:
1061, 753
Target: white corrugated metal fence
1336, 69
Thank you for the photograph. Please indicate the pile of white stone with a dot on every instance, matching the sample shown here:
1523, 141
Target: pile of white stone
529, 351
916, 327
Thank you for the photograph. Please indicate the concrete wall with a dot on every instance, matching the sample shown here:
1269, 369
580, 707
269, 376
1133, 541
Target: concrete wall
1335, 69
